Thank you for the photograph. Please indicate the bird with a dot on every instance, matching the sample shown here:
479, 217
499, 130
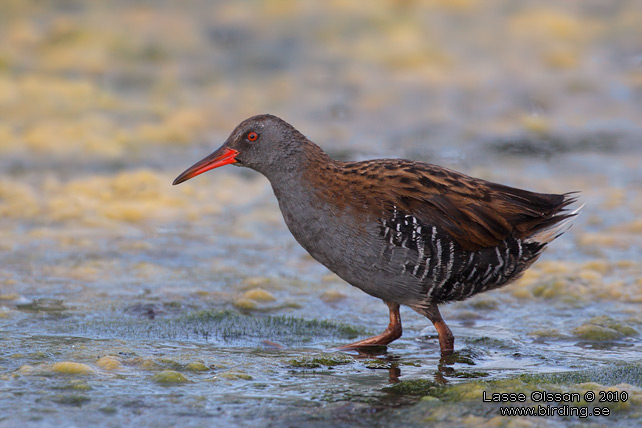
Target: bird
407, 232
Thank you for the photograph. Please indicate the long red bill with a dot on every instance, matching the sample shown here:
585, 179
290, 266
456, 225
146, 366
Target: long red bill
222, 156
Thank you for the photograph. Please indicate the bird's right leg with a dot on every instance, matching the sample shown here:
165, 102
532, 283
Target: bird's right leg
391, 333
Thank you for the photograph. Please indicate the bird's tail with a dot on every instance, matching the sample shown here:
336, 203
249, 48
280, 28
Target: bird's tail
559, 223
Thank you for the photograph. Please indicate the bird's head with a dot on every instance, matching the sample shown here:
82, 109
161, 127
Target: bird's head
264, 143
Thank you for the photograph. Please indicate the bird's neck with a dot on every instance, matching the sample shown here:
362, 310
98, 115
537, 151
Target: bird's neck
307, 191
308, 167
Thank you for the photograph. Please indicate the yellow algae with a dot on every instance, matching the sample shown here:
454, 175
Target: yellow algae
552, 333
590, 275
454, 5
600, 266
331, 277
72, 368
554, 267
109, 362
126, 211
472, 391
634, 227
245, 304
26, 370
562, 58
603, 240
22, 32
259, 295
80, 386
43, 96
528, 278
552, 289
329, 296
634, 395
256, 281
86, 271
11, 296
468, 315
483, 303
536, 124
7, 137
66, 138
594, 220
135, 246
129, 197
182, 126
141, 183
615, 198
17, 200
75, 242
202, 293
626, 264
169, 377
145, 364
522, 293
552, 25
75, 48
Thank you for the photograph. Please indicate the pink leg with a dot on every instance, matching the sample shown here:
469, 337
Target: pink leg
391, 333
446, 337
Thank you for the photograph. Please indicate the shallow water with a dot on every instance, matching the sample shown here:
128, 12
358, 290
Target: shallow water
127, 301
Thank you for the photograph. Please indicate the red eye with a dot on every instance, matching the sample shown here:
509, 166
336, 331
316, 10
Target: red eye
252, 136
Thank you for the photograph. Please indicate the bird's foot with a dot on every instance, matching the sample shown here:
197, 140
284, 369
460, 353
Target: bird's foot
371, 343
393, 332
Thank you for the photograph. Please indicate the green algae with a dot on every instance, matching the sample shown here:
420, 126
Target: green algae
213, 326
603, 328
484, 304
379, 364
74, 385
72, 368
76, 400
596, 332
418, 387
462, 404
461, 374
490, 342
43, 305
579, 381
169, 377
235, 375
169, 364
196, 366
467, 355
546, 334
436, 402
321, 360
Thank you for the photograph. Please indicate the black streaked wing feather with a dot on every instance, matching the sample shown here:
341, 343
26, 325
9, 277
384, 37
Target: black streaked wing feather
474, 212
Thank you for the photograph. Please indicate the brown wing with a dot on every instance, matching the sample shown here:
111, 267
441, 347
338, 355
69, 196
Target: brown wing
475, 212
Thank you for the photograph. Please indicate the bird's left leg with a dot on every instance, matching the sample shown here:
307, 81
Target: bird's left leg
446, 337
391, 333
